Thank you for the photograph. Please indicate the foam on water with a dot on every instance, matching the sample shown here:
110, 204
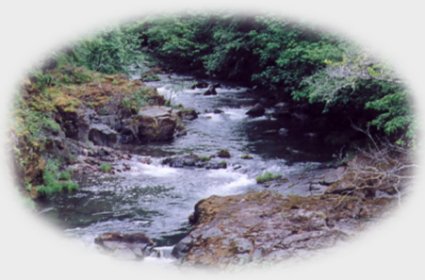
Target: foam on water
153, 170
238, 182
235, 114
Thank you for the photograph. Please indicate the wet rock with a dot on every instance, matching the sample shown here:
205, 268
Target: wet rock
281, 109
217, 111
187, 114
256, 111
223, 154
301, 117
211, 90
283, 131
152, 124
199, 84
133, 245
267, 102
102, 135
193, 160
264, 226
216, 165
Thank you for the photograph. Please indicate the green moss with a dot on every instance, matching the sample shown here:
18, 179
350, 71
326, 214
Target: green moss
266, 177
106, 167
246, 156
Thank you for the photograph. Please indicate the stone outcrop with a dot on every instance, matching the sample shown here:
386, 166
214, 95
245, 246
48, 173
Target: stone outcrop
102, 135
266, 226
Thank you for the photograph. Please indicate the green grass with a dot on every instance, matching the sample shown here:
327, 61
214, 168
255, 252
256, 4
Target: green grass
106, 167
55, 181
266, 177
137, 100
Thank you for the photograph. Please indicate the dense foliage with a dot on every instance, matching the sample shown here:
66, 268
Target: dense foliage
299, 63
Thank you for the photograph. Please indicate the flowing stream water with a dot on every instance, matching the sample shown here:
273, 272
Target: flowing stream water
156, 199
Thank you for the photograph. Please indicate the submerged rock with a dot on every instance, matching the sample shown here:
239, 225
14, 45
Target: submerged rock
133, 245
256, 111
193, 160
211, 90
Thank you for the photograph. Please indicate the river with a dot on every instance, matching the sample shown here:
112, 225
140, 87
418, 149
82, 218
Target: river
156, 199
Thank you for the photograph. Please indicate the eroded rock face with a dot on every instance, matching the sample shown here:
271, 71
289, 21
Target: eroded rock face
102, 135
265, 226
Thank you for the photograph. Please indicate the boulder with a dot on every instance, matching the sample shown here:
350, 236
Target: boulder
152, 124
211, 90
102, 135
223, 153
256, 111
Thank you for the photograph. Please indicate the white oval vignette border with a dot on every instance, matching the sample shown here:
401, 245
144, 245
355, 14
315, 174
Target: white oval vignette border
32, 249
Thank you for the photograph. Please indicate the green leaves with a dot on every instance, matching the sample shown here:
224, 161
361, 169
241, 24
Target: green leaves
109, 52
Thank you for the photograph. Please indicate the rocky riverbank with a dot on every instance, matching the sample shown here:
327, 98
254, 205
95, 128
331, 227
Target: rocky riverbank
267, 226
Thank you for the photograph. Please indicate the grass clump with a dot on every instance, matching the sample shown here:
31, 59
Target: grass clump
106, 167
266, 177
136, 100
55, 181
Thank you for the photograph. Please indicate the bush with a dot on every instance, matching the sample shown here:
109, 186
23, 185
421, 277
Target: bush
110, 52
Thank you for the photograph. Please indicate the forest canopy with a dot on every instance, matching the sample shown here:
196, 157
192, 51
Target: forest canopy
290, 61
